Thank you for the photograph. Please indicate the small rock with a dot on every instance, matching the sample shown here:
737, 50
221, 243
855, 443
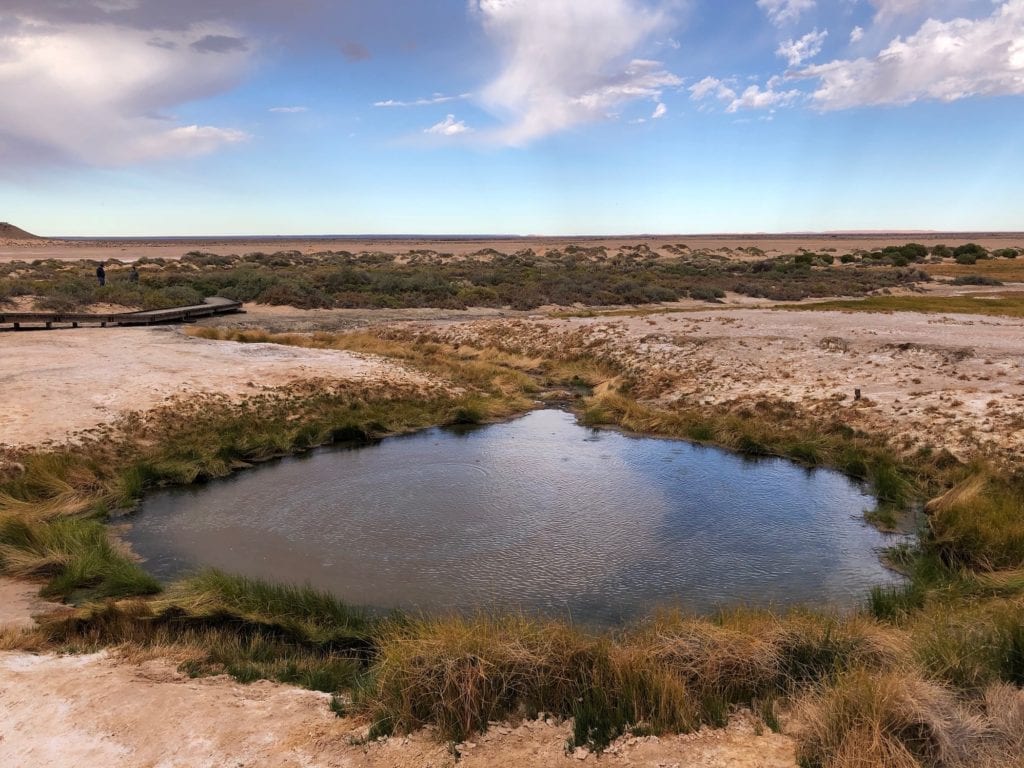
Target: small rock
581, 753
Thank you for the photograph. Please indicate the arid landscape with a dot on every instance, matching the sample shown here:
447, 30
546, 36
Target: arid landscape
886, 385
511, 383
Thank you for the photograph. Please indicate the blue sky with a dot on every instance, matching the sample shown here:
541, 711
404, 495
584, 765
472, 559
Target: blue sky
128, 117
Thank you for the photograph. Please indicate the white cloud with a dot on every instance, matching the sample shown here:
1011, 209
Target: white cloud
711, 86
566, 62
437, 98
755, 98
99, 95
289, 110
807, 47
890, 9
942, 60
448, 127
856, 34
659, 111
782, 12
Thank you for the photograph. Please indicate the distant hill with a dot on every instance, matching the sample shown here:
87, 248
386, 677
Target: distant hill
11, 232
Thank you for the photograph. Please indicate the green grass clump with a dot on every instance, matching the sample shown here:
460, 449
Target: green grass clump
971, 644
313, 615
894, 602
979, 523
220, 642
75, 555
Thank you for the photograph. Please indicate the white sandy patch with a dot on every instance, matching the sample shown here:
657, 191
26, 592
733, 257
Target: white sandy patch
55, 383
95, 711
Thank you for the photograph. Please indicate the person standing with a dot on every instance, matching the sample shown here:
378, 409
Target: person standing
133, 275
101, 275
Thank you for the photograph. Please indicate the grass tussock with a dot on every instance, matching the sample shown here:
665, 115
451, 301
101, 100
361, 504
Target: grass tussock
979, 523
970, 645
75, 555
674, 673
892, 719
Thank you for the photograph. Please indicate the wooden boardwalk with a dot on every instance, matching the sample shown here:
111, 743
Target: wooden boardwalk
22, 321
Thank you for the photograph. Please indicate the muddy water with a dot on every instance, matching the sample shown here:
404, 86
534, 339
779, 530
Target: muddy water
538, 514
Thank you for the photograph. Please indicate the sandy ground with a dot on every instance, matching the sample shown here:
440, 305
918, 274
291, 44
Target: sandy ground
94, 711
953, 381
56, 383
171, 248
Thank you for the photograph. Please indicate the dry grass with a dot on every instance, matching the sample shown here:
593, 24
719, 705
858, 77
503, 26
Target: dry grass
901, 720
1002, 304
885, 720
1006, 270
672, 673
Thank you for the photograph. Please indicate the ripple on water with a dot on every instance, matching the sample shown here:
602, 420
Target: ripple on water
539, 513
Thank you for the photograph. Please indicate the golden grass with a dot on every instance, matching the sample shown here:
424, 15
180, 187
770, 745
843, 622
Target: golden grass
885, 720
1007, 270
1002, 304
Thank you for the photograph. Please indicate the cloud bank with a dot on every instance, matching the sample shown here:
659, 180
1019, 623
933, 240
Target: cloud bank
565, 63
100, 94
943, 61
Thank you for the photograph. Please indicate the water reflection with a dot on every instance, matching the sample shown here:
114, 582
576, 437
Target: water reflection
539, 513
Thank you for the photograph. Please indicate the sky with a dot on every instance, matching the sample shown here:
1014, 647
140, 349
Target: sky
282, 117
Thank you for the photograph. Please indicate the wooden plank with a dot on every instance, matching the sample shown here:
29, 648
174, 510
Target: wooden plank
213, 306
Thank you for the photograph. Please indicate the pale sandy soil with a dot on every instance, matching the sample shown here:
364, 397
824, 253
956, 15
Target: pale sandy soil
131, 249
96, 710
56, 383
953, 381
19, 602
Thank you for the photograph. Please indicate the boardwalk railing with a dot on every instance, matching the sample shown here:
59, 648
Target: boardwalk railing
215, 305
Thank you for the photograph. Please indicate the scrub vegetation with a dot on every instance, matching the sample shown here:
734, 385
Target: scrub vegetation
928, 674
522, 281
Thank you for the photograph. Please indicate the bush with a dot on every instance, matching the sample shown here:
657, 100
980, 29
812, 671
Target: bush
970, 249
976, 280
